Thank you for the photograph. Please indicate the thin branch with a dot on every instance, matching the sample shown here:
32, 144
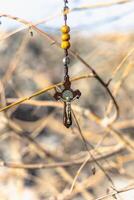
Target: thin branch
126, 189
101, 5
42, 92
44, 34
90, 154
42, 165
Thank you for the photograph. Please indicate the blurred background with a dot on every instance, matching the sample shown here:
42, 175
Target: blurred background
39, 158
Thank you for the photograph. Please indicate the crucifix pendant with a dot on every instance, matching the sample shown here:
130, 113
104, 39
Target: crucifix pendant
67, 95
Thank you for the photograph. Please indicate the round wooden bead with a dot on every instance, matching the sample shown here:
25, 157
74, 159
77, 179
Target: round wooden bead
65, 37
65, 44
65, 29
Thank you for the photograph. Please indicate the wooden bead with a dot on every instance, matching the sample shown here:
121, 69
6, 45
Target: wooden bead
65, 29
65, 37
65, 44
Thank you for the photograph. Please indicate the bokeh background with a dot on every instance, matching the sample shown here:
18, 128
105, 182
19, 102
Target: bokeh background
39, 158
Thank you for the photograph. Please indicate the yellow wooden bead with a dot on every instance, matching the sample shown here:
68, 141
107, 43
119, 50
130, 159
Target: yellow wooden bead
65, 37
65, 29
65, 44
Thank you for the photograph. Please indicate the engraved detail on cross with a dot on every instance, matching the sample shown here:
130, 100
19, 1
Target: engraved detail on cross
67, 95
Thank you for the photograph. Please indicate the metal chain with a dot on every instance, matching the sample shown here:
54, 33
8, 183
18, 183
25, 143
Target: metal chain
65, 9
66, 59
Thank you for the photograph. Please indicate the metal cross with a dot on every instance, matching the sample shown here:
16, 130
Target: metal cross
67, 95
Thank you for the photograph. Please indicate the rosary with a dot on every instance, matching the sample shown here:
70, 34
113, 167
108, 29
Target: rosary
67, 95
